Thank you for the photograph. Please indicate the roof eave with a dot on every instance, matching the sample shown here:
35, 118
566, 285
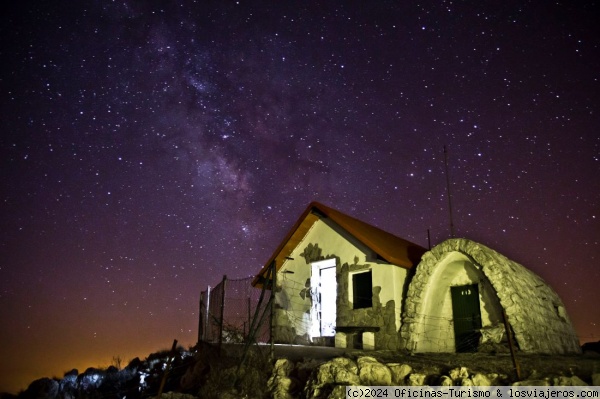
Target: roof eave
407, 260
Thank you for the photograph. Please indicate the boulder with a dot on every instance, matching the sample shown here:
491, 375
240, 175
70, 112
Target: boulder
371, 372
280, 384
466, 382
399, 372
445, 381
416, 379
481, 380
338, 371
283, 367
280, 387
343, 371
458, 374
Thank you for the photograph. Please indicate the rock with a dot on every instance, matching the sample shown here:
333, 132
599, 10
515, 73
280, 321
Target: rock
497, 379
44, 388
344, 371
481, 380
416, 379
280, 387
280, 384
573, 381
399, 372
69, 382
458, 373
596, 379
90, 379
339, 371
533, 383
466, 382
283, 367
339, 392
371, 372
446, 381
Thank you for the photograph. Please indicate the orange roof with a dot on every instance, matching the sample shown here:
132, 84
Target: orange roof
392, 249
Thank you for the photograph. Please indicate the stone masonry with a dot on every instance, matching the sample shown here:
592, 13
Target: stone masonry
535, 312
379, 315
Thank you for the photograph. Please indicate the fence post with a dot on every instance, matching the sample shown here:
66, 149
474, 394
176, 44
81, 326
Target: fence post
511, 345
167, 368
249, 317
200, 319
273, 288
207, 315
222, 311
255, 324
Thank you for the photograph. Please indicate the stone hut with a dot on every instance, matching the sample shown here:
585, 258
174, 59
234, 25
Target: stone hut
460, 272
343, 282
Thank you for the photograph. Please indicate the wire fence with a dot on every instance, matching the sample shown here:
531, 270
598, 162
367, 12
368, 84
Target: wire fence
431, 332
227, 310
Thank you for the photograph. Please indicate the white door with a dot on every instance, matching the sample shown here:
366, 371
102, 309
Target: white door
324, 292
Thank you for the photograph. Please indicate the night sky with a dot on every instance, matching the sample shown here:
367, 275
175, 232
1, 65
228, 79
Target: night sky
148, 148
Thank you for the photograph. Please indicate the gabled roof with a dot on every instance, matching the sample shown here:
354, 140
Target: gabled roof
392, 249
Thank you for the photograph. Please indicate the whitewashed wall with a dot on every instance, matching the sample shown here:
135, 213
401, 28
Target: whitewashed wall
329, 241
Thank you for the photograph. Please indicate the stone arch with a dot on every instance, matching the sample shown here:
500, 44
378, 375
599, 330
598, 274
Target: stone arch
435, 331
530, 304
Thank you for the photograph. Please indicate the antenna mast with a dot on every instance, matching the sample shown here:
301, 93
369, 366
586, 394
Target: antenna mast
448, 190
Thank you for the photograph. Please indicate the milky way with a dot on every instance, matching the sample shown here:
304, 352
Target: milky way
147, 150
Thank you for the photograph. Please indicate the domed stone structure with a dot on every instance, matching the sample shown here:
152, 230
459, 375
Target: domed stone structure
460, 273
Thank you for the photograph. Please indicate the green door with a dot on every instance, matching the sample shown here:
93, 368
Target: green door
467, 317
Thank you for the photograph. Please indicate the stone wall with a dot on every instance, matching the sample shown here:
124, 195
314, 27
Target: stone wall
535, 312
382, 316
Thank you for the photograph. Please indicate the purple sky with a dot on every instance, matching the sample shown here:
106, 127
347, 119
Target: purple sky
148, 150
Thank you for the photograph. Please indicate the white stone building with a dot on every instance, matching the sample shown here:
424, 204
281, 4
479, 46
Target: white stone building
343, 282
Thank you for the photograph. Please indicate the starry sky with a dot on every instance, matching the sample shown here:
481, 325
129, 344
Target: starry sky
148, 148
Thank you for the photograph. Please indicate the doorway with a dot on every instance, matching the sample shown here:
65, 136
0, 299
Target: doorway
466, 315
323, 285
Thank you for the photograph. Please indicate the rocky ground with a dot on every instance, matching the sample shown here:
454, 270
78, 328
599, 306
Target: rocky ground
327, 378
307, 372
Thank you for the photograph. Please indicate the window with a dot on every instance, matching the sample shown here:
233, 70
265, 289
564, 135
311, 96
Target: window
362, 290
